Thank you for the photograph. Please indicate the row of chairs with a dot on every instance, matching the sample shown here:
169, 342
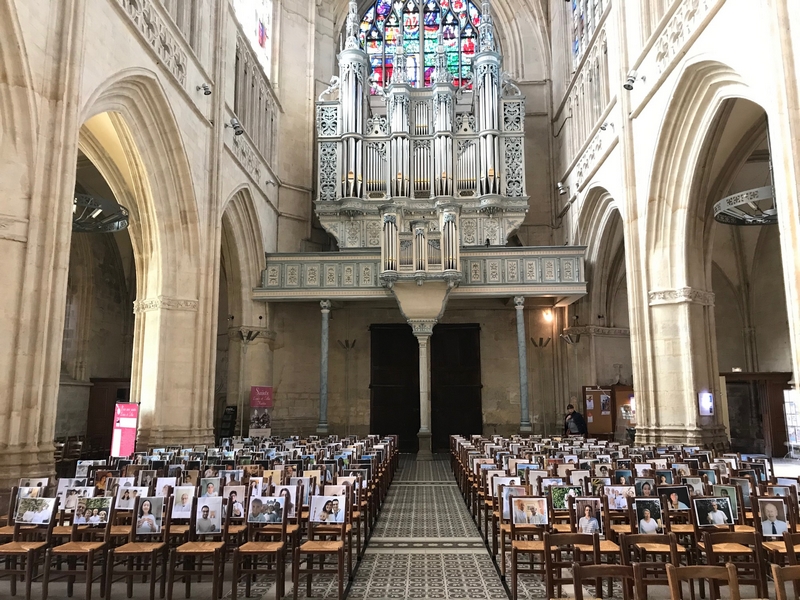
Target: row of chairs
125, 545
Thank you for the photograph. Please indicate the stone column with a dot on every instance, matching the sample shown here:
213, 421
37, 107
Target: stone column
322, 426
522, 351
423, 331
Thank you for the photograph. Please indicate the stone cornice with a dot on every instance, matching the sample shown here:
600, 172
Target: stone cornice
680, 296
600, 331
164, 303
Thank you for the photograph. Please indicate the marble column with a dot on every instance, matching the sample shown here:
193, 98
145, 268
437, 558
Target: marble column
423, 331
522, 351
322, 426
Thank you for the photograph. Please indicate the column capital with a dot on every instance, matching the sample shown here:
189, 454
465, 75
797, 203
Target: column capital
519, 302
325, 306
680, 296
422, 327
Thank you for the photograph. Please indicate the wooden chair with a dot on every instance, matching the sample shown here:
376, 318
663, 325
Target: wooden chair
629, 576
358, 517
714, 575
145, 549
783, 575
29, 545
93, 553
584, 549
198, 548
651, 551
322, 548
742, 550
246, 557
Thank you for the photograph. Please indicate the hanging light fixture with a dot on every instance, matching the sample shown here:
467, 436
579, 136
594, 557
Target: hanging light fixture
93, 214
750, 207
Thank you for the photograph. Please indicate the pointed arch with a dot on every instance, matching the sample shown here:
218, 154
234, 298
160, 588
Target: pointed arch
145, 133
242, 252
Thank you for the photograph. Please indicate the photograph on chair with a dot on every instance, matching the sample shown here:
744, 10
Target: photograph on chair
150, 515
334, 490
664, 477
529, 511
623, 477
254, 485
645, 487
209, 487
560, 493
504, 481
126, 496
696, 487
291, 507
93, 511
589, 515
34, 511
163, 484
146, 478
746, 486
190, 477
209, 515
598, 484
266, 510
66, 484
648, 515
772, 513
779, 490
728, 492
182, 505
546, 482
711, 474
682, 469
235, 495
677, 496
618, 496
510, 491
30, 492
70, 501
711, 512
326, 509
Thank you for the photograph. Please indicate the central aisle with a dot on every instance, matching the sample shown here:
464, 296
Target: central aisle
425, 544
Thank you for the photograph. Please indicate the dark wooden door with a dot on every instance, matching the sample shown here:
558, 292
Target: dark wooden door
103, 397
455, 382
394, 384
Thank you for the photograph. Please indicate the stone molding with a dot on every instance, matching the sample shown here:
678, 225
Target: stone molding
164, 303
13, 228
599, 331
680, 296
145, 16
519, 302
422, 327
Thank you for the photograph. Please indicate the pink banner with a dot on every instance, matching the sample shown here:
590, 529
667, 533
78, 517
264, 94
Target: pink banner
126, 423
261, 402
261, 396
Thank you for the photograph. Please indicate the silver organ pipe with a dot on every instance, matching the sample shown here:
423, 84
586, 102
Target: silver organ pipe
390, 242
420, 248
450, 242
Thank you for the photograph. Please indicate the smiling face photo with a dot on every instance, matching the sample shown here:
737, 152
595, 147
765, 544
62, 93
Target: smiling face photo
772, 514
529, 511
648, 515
713, 512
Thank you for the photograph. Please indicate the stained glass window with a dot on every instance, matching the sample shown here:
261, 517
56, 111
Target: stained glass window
585, 17
418, 23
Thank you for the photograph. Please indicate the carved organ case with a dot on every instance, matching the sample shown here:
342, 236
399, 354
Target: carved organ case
421, 172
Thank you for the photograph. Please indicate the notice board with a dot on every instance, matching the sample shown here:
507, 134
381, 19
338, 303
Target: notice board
598, 406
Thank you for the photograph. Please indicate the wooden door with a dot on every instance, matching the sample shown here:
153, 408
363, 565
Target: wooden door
455, 383
103, 397
394, 384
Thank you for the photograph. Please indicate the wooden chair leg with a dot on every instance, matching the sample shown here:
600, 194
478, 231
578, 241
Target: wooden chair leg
29, 562
296, 570
46, 574
109, 572
236, 568
89, 573
341, 574
171, 575
164, 560
513, 572
153, 574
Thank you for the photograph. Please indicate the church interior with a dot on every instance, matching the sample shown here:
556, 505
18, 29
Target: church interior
515, 282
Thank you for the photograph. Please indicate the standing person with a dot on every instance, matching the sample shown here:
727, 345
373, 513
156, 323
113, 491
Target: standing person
587, 523
574, 423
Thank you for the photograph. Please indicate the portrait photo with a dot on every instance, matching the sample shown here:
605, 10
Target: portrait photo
163, 485
729, 493
648, 515
623, 477
696, 487
529, 511
209, 487
236, 498
150, 515
126, 496
35, 511
266, 510
618, 496
182, 505
664, 477
598, 483
588, 515
713, 512
510, 491
711, 474
327, 509
560, 493
93, 511
677, 496
645, 488
291, 505
209, 515
772, 512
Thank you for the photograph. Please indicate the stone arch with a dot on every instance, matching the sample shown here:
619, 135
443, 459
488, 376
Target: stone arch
159, 179
17, 104
242, 252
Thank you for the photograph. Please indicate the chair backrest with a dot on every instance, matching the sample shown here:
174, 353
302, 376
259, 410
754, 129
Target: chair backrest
725, 575
39, 513
99, 515
330, 511
784, 575
628, 542
629, 576
151, 523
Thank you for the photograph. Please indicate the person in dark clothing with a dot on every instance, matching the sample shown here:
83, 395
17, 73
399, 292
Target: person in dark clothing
574, 424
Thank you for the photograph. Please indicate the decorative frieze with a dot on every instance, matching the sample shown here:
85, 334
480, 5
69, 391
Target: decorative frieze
145, 16
680, 296
164, 303
600, 331
247, 157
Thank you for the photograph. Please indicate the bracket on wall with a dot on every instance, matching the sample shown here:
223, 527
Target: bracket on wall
542, 342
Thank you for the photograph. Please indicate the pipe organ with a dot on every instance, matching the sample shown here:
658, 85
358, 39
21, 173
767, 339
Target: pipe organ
421, 172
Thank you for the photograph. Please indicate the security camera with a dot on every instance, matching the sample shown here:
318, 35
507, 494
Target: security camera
236, 126
561, 189
206, 89
628, 85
